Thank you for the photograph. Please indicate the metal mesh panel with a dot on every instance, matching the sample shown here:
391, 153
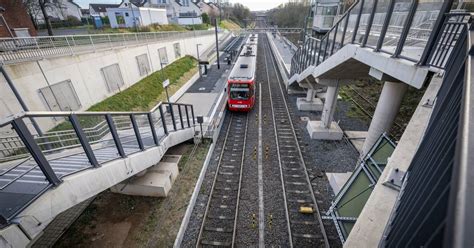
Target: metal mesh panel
420, 217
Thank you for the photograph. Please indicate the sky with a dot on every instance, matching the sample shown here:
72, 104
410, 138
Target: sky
252, 4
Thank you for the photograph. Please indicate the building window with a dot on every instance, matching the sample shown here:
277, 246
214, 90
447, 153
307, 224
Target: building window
126, 14
120, 19
143, 64
177, 50
163, 55
113, 77
61, 96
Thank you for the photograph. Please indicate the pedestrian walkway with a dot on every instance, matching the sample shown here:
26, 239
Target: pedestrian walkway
284, 50
205, 93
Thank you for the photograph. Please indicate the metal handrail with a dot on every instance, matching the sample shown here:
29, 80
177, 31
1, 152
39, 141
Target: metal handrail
87, 35
434, 37
81, 138
8, 119
14, 50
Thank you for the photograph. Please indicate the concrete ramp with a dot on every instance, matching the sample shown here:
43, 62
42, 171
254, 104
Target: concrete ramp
40, 180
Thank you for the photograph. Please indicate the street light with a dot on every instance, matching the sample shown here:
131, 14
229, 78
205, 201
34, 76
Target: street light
199, 59
217, 45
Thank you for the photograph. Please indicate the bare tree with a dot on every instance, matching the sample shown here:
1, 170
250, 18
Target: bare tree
37, 7
47, 21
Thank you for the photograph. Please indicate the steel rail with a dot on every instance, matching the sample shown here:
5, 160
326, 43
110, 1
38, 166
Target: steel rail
290, 238
300, 154
208, 204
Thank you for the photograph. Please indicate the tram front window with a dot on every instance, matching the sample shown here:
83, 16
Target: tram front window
239, 91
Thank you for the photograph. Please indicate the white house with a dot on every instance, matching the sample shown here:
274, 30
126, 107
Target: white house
98, 9
57, 10
183, 12
129, 15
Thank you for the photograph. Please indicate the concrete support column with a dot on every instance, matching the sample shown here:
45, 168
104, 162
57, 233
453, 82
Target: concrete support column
385, 112
329, 106
310, 95
327, 129
310, 102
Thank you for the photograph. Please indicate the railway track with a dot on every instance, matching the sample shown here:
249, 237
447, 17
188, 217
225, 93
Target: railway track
218, 227
304, 229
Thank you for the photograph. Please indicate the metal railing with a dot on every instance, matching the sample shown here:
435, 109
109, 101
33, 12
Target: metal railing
422, 32
14, 50
434, 206
272, 29
84, 140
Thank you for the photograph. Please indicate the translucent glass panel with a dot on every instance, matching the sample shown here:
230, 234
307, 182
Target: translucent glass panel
395, 27
378, 159
126, 133
21, 179
339, 33
351, 26
330, 38
145, 130
425, 17
98, 134
353, 200
377, 24
364, 20
158, 123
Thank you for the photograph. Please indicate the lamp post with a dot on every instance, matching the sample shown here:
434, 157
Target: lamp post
217, 46
199, 59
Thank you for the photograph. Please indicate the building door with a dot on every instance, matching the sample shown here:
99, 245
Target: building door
61, 96
113, 77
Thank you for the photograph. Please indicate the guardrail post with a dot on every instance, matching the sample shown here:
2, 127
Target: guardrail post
187, 115
92, 42
84, 141
172, 116
69, 45
180, 116
386, 23
137, 132
406, 29
345, 28
73, 41
334, 39
356, 26
163, 120
115, 136
110, 41
435, 34
369, 24
153, 131
192, 114
35, 151
52, 42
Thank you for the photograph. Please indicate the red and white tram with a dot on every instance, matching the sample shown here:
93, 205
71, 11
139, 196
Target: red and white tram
241, 81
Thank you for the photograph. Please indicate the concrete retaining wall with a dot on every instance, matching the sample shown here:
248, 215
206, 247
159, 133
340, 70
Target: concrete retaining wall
84, 71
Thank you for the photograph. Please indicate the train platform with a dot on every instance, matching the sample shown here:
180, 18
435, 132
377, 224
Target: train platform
284, 50
205, 93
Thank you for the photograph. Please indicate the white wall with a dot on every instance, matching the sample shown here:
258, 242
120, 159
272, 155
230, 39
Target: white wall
128, 19
143, 16
189, 21
84, 71
153, 15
